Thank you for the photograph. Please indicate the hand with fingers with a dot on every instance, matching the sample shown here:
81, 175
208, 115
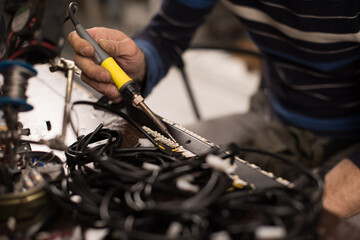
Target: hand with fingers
119, 46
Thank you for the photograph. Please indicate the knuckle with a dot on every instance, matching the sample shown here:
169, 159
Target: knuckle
70, 37
84, 78
77, 60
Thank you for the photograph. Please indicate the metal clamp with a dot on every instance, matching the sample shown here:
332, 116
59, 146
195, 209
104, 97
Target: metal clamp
69, 68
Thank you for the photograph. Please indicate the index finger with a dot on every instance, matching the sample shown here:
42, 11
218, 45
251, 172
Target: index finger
80, 46
106, 33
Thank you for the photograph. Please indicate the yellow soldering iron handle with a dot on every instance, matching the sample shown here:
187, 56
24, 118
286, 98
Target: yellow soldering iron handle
119, 77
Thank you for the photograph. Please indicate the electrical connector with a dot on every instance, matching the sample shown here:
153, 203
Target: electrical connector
222, 165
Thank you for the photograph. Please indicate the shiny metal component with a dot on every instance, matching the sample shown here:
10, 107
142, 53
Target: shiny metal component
192, 134
176, 147
68, 67
69, 85
24, 204
138, 101
271, 175
12, 101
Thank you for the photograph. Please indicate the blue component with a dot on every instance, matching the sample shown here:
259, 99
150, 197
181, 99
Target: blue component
337, 124
6, 64
36, 162
18, 103
199, 4
322, 66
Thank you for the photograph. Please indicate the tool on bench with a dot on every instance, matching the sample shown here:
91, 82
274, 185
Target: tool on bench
123, 82
68, 67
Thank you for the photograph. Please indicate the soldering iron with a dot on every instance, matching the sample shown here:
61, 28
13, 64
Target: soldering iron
123, 82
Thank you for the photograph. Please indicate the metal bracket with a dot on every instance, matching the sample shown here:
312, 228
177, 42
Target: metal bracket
69, 68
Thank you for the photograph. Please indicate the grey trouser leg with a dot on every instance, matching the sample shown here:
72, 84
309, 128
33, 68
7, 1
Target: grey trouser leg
237, 127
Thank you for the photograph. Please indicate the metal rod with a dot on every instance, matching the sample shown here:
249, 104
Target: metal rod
69, 85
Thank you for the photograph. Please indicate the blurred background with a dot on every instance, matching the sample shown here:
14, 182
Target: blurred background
221, 81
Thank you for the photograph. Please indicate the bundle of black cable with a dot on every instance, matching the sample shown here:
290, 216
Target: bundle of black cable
145, 193
136, 190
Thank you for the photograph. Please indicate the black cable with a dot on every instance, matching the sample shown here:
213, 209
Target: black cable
314, 177
118, 112
73, 7
181, 66
135, 192
296, 209
149, 197
6, 182
124, 166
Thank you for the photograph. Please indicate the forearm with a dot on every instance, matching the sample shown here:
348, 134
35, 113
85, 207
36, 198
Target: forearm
342, 189
168, 35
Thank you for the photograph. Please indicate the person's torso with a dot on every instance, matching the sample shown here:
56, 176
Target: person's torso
311, 51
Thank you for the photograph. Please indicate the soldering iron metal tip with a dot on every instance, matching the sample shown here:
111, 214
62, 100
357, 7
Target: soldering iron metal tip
155, 119
170, 136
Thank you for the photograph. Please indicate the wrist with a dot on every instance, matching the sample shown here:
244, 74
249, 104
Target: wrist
154, 67
341, 195
141, 74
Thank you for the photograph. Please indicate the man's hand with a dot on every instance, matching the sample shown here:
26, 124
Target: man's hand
341, 191
118, 45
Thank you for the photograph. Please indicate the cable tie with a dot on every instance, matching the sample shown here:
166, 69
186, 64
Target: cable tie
222, 165
270, 233
150, 166
183, 183
174, 230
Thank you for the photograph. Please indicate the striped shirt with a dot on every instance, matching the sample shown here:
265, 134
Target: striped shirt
311, 54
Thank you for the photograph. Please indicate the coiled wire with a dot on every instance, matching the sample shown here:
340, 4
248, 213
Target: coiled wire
15, 81
110, 186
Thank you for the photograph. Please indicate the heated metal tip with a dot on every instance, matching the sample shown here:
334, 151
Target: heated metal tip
155, 119
170, 136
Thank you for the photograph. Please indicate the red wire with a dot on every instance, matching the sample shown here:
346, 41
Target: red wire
32, 44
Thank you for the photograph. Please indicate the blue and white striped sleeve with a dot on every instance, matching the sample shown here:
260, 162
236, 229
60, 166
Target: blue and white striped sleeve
168, 35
